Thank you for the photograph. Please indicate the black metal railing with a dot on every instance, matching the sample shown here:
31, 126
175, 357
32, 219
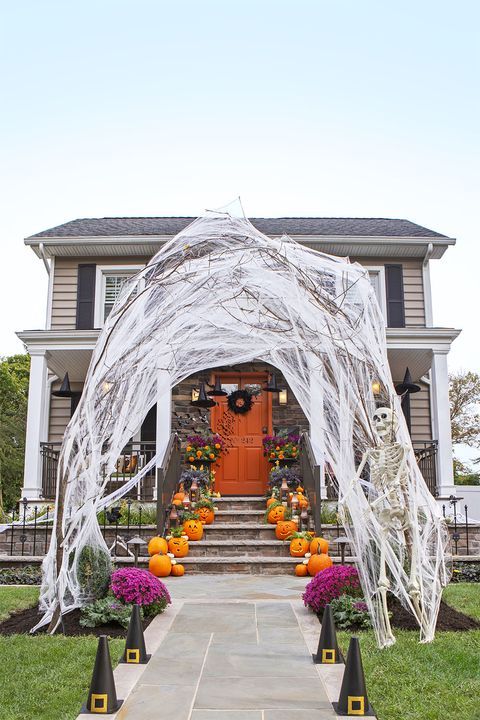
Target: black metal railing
50, 453
311, 479
426, 454
168, 475
133, 458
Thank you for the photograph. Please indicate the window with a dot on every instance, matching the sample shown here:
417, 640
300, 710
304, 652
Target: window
377, 279
110, 280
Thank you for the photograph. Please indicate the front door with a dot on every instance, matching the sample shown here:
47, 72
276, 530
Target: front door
242, 469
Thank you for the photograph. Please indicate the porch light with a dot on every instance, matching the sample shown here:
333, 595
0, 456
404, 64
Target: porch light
284, 488
283, 397
195, 394
193, 490
173, 517
271, 385
376, 387
186, 502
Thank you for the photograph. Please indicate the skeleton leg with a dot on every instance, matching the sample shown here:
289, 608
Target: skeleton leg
383, 586
413, 586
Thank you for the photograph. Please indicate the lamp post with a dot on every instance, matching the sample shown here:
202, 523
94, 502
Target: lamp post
342, 542
136, 543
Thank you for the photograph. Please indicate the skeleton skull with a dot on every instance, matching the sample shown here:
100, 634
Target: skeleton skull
385, 422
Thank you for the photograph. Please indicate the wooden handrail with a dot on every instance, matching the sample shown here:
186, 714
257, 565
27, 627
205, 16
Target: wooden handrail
168, 475
311, 477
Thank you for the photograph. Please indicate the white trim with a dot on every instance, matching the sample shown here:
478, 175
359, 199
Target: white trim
441, 422
382, 292
51, 275
101, 272
427, 287
35, 432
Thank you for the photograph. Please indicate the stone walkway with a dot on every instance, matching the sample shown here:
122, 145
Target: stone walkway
231, 647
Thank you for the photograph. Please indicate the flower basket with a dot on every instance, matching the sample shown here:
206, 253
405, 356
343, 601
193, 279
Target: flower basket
203, 450
281, 450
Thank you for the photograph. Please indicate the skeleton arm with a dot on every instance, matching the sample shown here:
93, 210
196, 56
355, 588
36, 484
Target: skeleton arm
354, 481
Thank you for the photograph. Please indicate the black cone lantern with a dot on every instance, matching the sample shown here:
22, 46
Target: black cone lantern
203, 400
272, 386
217, 390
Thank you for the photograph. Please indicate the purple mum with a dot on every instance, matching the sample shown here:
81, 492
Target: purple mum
330, 584
134, 586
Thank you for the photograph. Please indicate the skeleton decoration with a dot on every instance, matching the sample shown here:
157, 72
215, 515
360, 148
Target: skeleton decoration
222, 293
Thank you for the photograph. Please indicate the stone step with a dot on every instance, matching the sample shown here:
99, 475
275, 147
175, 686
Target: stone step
238, 531
240, 503
252, 548
239, 516
246, 564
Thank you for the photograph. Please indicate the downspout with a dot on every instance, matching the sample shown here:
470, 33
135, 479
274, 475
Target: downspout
41, 249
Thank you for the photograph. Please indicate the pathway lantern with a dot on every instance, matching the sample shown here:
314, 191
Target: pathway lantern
136, 543
342, 542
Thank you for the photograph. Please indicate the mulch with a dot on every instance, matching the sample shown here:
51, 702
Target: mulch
448, 618
23, 621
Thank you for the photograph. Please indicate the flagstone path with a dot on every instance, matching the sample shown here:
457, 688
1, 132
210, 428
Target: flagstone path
231, 647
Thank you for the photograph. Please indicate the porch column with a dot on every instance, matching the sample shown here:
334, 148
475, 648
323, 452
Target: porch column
317, 425
36, 431
441, 423
164, 413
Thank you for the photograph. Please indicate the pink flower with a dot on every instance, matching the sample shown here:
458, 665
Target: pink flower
135, 586
330, 584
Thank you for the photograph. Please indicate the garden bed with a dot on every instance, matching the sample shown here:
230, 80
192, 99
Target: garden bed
23, 621
448, 618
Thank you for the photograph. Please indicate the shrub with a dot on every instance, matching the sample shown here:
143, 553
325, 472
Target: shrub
131, 585
466, 572
28, 575
350, 613
105, 611
278, 473
94, 571
329, 584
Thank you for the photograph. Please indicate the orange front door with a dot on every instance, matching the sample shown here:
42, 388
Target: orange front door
242, 469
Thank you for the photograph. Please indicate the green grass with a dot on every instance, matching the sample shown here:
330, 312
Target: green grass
16, 598
410, 681
48, 677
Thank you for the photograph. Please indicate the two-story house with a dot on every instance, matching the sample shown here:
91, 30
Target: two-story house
88, 260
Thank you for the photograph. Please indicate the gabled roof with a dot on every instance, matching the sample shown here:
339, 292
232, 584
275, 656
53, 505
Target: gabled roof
308, 226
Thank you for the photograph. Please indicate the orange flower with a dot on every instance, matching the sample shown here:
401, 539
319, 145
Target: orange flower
217, 446
272, 454
280, 456
294, 449
211, 456
278, 447
189, 449
199, 453
191, 458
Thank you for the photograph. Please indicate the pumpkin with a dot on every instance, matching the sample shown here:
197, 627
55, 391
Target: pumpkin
271, 500
321, 543
276, 512
160, 565
178, 570
318, 562
206, 515
178, 546
302, 501
193, 528
299, 545
179, 496
157, 545
284, 529
301, 570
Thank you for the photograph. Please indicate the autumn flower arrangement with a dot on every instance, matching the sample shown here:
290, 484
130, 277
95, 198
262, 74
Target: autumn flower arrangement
201, 448
281, 448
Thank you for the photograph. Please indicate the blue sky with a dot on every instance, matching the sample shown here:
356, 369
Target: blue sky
303, 108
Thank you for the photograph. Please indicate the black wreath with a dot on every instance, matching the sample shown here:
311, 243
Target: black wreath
240, 401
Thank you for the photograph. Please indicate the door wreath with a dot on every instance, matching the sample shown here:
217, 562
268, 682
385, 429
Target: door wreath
240, 401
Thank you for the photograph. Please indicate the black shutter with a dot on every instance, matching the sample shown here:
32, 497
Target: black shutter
395, 298
86, 296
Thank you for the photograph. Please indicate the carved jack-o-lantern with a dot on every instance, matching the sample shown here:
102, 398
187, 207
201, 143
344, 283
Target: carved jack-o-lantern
317, 543
178, 546
206, 515
299, 546
284, 529
193, 528
276, 513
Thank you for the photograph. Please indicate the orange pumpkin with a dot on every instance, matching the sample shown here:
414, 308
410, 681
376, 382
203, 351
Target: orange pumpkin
302, 501
178, 546
157, 545
301, 570
276, 513
284, 529
271, 500
206, 515
299, 546
318, 562
321, 543
160, 565
193, 528
178, 570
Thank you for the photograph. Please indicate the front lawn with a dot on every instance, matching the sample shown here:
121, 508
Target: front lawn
426, 682
47, 677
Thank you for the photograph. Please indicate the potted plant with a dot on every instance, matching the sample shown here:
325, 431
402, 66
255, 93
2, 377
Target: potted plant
203, 450
281, 451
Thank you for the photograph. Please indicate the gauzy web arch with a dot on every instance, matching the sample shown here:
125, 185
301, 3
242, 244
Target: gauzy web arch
222, 293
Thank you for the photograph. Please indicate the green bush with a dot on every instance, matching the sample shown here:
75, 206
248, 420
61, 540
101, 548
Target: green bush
147, 516
328, 513
94, 572
104, 611
29, 575
466, 572
349, 612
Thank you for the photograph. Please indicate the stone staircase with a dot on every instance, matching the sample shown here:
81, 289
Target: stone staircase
239, 541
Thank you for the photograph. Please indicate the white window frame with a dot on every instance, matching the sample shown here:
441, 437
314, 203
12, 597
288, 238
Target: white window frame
102, 271
379, 270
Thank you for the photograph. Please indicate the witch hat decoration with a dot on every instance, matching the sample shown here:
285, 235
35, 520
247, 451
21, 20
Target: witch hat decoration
328, 651
353, 698
135, 651
217, 391
102, 696
203, 400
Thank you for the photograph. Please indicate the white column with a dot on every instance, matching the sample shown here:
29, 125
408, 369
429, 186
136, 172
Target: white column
36, 430
317, 425
164, 412
441, 423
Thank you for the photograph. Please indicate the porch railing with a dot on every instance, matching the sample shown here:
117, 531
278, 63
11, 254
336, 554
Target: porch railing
311, 479
168, 475
134, 457
426, 454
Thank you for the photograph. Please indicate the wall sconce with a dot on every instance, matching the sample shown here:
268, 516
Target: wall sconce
376, 387
195, 394
283, 397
